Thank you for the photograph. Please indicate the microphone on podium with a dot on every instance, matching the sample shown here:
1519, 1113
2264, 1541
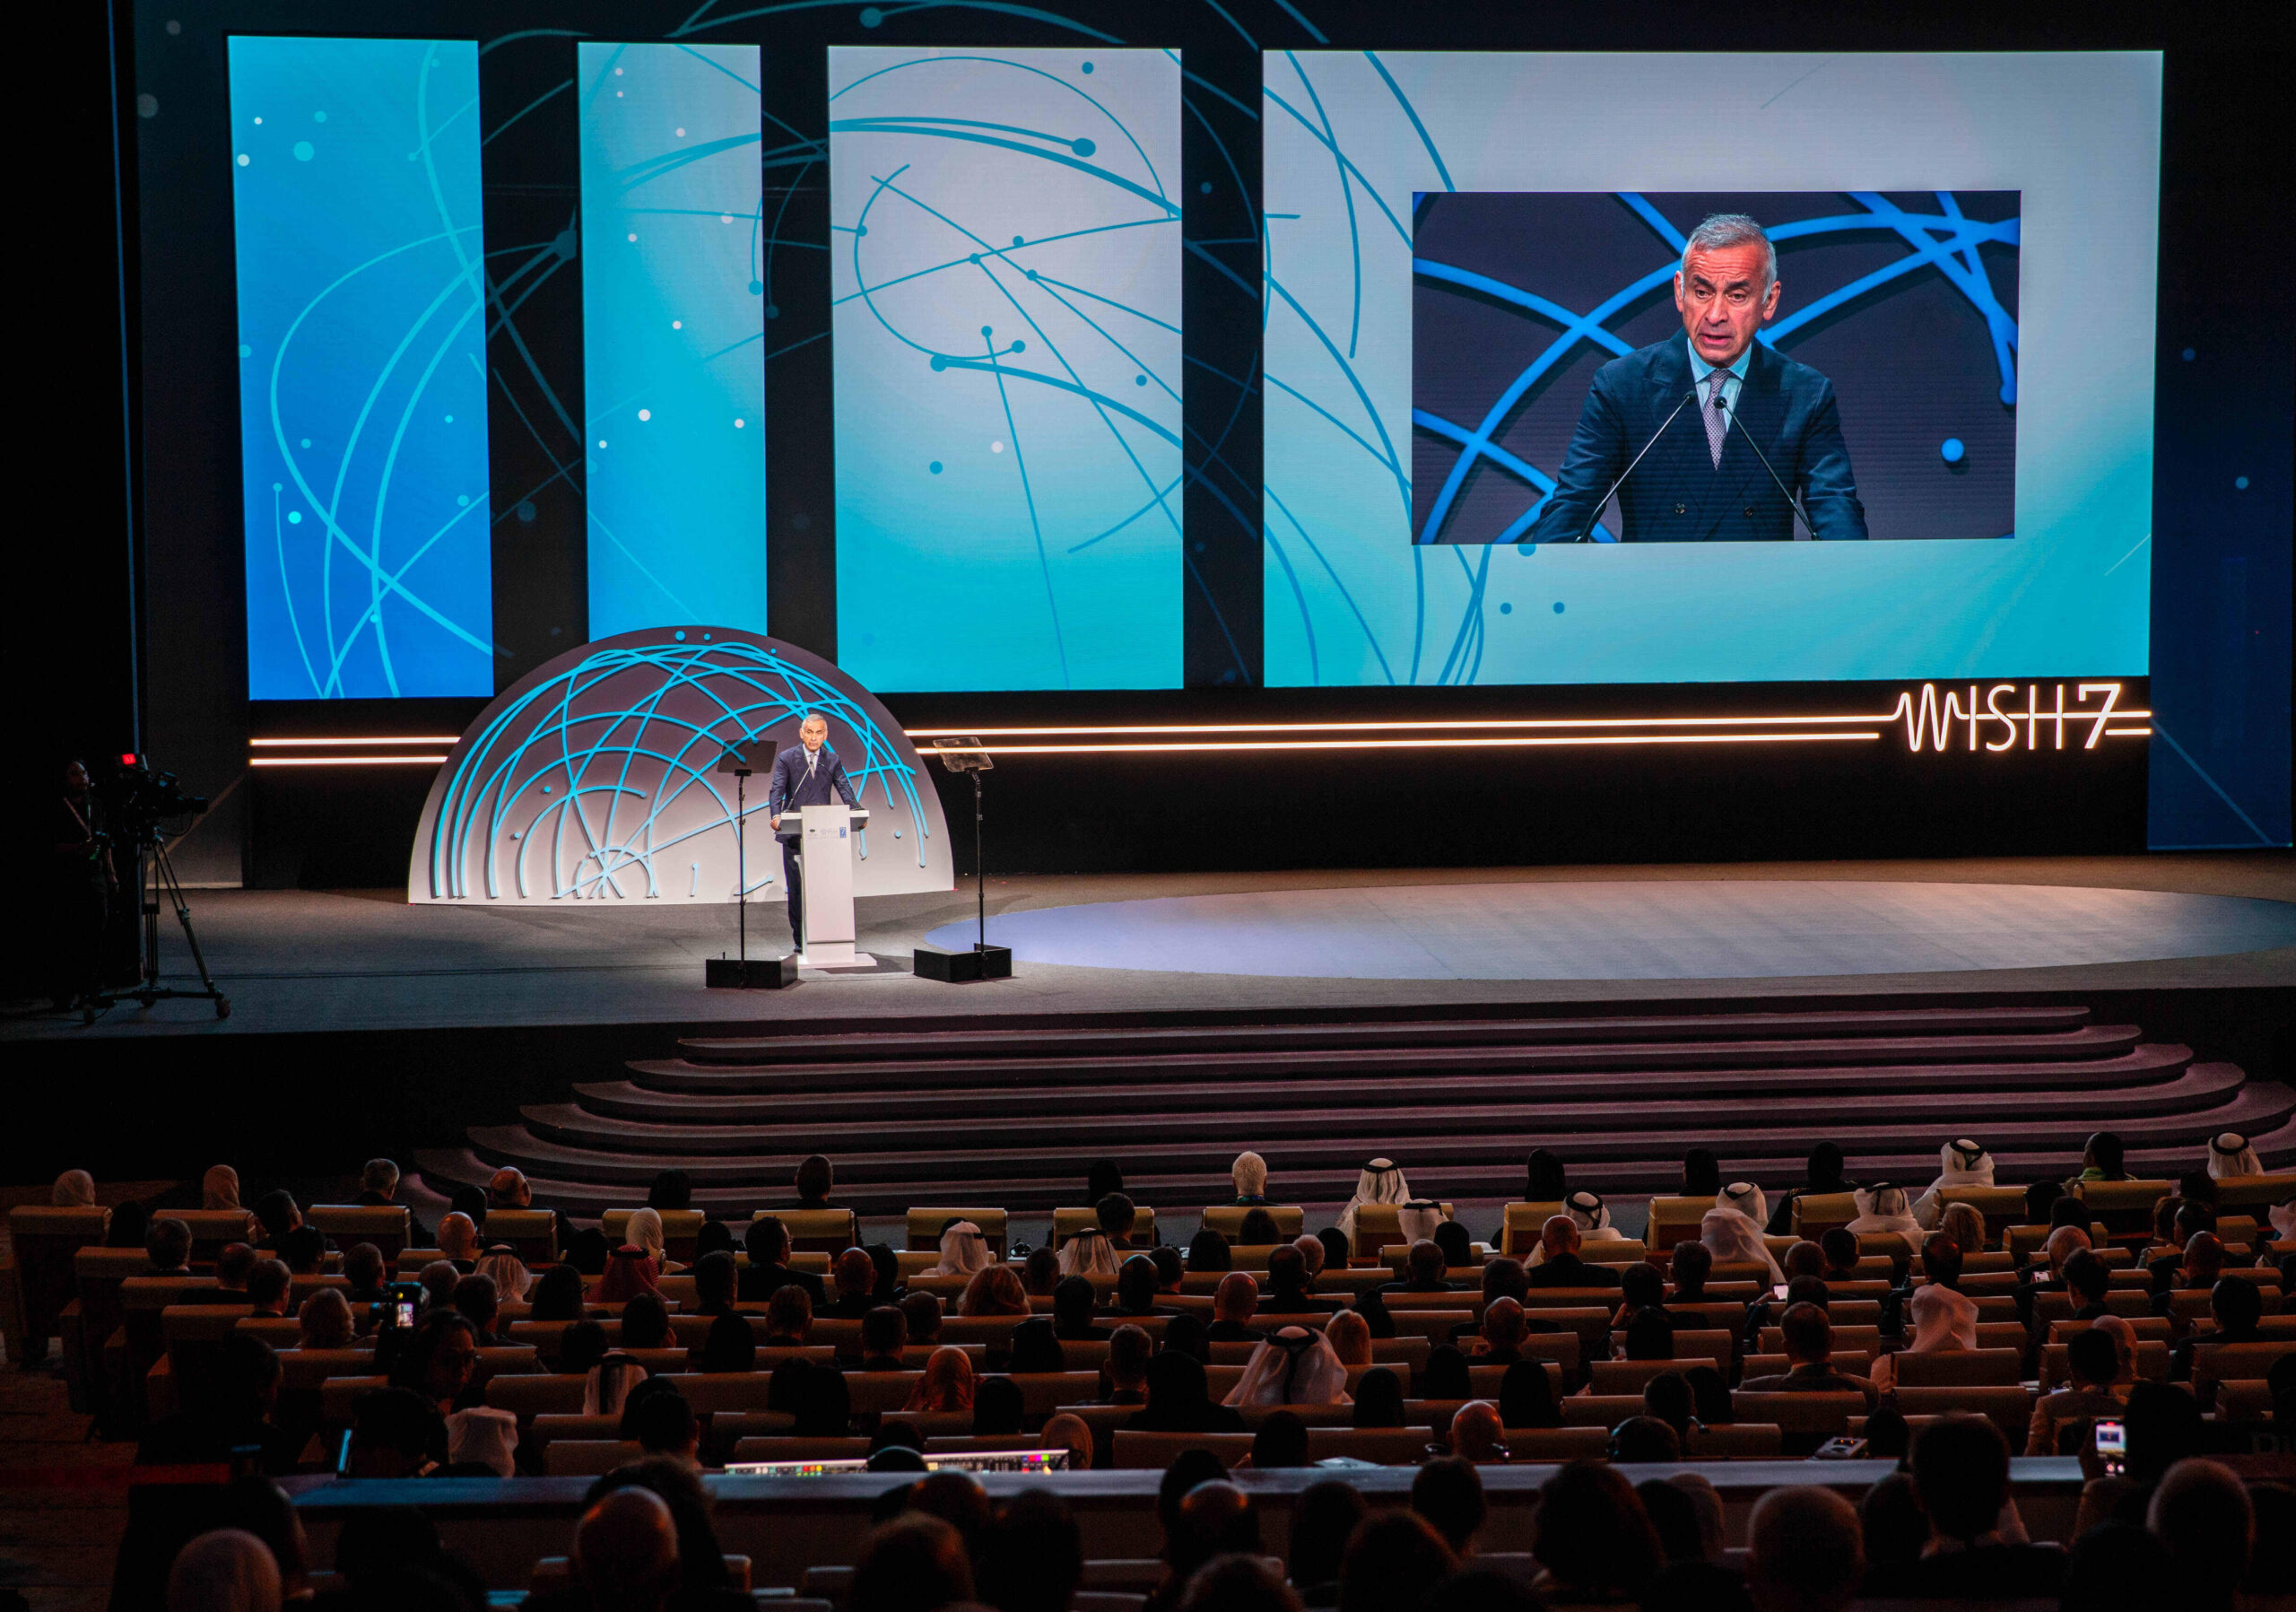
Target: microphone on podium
1730, 418
1596, 514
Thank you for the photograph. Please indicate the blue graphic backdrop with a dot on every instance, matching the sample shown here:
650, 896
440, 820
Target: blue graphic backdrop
1005, 252
674, 335
362, 384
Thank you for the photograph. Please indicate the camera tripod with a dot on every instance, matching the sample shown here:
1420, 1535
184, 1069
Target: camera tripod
155, 873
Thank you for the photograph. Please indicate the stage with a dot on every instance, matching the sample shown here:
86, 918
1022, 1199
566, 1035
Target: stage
342, 961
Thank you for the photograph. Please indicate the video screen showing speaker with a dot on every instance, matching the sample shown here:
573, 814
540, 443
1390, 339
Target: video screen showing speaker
1895, 424
1750, 367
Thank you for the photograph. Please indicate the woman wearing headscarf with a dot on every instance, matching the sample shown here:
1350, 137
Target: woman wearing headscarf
2230, 1154
219, 1189
1702, 1174
1527, 1397
73, 1189
1823, 1177
963, 1251
1379, 1398
1961, 1162
644, 1231
1544, 1182
1179, 1401
1882, 1208
1380, 1182
947, 1383
1296, 1366
1249, 1174
1088, 1254
1944, 1319
1732, 1229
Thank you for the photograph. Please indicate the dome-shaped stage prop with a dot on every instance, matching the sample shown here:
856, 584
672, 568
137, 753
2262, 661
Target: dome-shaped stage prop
595, 778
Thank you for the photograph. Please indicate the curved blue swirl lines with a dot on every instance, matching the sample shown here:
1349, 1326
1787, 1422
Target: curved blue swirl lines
1657, 220
495, 769
1411, 112
906, 125
1386, 454
1370, 639
1321, 138
1346, 194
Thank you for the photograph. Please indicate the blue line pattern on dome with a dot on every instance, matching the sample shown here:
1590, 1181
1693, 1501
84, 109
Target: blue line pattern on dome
598, 764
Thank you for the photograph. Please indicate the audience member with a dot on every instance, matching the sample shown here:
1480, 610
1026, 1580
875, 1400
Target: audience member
1702, 1174
1249, 1174
2200, 1510
1214, 1519
1448, 1493
1809, 1354
1689, 1267
1233, 1302
947, 1384
1380, 1182
1592, 1535
730, 1346
1258, 1230
2117, 1567
1645, 1438
225, 1570
1324, 1518
1294, 1365
2094, 1363
855, 1275
1732, 1229
2100, 1160
1821, 1178
1557, 1264
1444, 1376
1803, 1551
916, 1562
1179, 1400
1379, 1398
1667, 1397
1209, 1250
268, 1287
1071, 1311
322, 1322
1349, 1338
815, 1182
1527, 1396
166, 1249
367, 1277
767, 1240
1280, 1442
1392, 1557
556, 1295
234, 1264
996, 1291
458, 1242
884, 1334
475, 1302
219, 1189
1031, 1555
1036, 1349
1961, 1473
1477, 1435
1960, 1164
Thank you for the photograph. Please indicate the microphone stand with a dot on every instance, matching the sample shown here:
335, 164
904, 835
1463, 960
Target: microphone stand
1597, 512
1730, 415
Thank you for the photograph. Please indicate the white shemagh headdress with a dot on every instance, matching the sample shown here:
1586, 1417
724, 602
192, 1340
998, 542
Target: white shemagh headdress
2283, 1217
1882, 1207
1961, 1162
1380, 1183
609, 1384
484, 1435
1732, 1229
1593, 1216
963, 1251
1297, 1366
2228, 1155
1943, 1319
1088, 1254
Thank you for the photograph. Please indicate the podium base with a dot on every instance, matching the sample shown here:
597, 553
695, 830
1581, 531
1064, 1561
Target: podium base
759, 974
839, 956
959, 968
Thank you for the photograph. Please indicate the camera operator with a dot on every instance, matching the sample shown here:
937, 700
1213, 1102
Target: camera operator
85, 886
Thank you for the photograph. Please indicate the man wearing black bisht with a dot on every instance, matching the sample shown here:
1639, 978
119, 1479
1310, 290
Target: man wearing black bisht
83, 885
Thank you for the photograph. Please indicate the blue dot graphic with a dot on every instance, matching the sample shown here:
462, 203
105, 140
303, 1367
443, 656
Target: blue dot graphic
305, 151
306, 442
972, 258
1140, 380
1206, 187
939, 363
1557, 606
1019, 346
935, 467
2241, 481
318, 116
772, 310
1951, 450
679, 635
1088, 66
527, 510
1506, 610
871, 16
1019, 240
462, 500
757, 288
987, 330
2190, 355
1526, 548
294, 518
246, 351
1084, 148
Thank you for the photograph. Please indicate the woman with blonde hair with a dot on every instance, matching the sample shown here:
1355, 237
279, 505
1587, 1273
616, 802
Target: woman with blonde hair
324, 1321
1350, 1337
948, 1382
994, 1291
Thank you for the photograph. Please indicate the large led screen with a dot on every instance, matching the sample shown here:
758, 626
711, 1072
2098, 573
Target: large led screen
363, 375
1475, 330
672, 335
1005, 256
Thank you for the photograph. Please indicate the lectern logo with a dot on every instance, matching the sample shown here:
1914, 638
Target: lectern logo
2012, 715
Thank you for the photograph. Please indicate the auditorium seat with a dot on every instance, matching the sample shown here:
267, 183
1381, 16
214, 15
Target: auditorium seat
2238, 1362
783, 1448
2126, 1207
211, 1230
2024, 1242
1865, 1339
730, 1427
1802, 1419
1556, 1443
965, 1443
1483, 1380
529, 1395
1600, 1410
1728, 1313
554, 1574
1377, 1227
1814, 1213
1333, 1415
2128, 1303
409, 1262
1519, 1224
2255, 1191
2011, 1408
2002, 1207
1734, 1440
1067, 1223
680, 1228
2247, 1399
588, 1458
1387, 1446
2148, 1329
1849, 1362
925, 1226
347, 1225
827, 1232
45, 1239
1228, 1219
337, 1394
532, 1233
1955, 1368
1136, 1451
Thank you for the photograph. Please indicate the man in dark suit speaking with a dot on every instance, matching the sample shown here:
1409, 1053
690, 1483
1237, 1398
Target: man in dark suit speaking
807, 774
1704, 409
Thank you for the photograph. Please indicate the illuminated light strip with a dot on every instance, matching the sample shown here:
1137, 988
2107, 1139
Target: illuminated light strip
1652, 738
2129, 733
1543, 722
345, 761
420, 738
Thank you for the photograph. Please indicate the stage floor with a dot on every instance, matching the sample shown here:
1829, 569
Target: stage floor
349, 960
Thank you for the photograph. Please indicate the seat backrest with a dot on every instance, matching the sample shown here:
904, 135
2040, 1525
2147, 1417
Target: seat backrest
2152, 1362
2024, 1242
588, 1458
1866, 1340
1631, 1376
1377, 1225
925, 1225
1388, 1446
349, 1224
1483, 1380
680, 1228
1228, 1219
2002, 1207
2238, 1362
1849, 1362
533, 1233
1558, 1444
1067, 1223
1734, 1440
1045, 1391
212, 1230
1613, 1251
527, 1395
1675, 1220
2011, 1408
337, 1394
1136, 1450
1814, 1213
1519, 1224
820, 1231
45, 1239
1945, 1368
786, 1448
305, 1369
2152, 1327
2256, 1192
1797, 1413
2123, 1207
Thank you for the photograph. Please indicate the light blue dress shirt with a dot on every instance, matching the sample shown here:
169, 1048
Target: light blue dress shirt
1732, 379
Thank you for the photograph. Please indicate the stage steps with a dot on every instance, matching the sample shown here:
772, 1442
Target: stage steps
1012, 1115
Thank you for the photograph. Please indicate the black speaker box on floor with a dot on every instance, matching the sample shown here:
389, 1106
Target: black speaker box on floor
759, 974
974, 962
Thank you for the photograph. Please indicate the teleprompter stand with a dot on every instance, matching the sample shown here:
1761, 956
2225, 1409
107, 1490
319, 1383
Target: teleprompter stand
738, 972
984, 961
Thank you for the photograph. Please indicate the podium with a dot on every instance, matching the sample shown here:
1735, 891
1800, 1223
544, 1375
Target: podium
828, 837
